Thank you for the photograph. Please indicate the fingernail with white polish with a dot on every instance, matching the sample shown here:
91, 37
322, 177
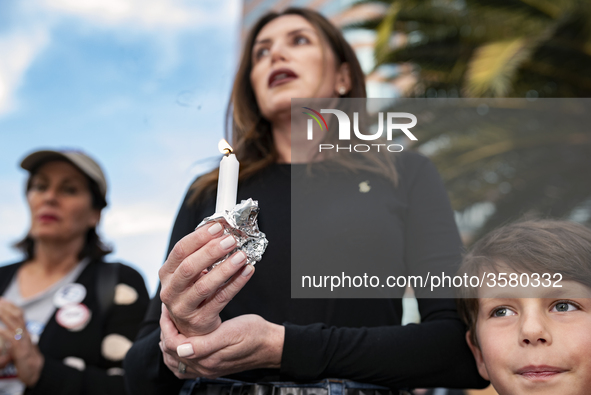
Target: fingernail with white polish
239, 258
246, 270
214, 229
185, 350
227, 242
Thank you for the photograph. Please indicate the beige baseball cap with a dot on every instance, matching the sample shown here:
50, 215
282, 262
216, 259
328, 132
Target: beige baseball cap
79, 159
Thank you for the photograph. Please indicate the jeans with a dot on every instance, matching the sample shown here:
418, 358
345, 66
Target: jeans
222, 386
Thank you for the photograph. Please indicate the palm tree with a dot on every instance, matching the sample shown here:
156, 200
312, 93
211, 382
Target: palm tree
500, 48
490, 48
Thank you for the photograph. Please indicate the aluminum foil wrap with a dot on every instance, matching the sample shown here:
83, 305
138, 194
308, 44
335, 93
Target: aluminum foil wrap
241, 222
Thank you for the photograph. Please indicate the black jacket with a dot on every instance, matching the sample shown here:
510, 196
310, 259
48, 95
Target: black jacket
100, 375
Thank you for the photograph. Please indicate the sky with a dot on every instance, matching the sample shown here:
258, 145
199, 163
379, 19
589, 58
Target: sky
139, 85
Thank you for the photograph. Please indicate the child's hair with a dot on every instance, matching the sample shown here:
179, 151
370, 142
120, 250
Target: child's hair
539, 246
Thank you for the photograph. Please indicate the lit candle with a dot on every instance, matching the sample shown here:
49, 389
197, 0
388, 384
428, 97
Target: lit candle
228, 179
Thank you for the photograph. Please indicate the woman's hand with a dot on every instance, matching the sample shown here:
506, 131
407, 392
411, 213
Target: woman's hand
193, 296
5, 357
26, 356
242, 343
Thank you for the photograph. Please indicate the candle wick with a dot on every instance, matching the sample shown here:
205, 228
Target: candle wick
228, 151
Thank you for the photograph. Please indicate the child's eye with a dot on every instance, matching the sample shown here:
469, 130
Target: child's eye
564, 306
502, 312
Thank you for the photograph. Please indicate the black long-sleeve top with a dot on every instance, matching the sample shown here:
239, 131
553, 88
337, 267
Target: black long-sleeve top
357, 339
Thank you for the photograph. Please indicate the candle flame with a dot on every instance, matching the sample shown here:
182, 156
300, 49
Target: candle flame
224, 147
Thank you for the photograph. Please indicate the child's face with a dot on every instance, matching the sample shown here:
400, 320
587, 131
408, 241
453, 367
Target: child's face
536, 345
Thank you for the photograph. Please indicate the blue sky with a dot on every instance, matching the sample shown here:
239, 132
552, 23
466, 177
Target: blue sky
141, 85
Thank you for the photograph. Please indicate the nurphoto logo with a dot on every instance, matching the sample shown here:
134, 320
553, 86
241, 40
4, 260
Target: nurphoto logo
345, 129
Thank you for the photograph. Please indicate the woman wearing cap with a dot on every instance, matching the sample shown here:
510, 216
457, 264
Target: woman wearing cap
250, 328
67, 318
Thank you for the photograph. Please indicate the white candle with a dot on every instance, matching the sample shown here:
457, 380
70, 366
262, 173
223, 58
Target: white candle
228, 179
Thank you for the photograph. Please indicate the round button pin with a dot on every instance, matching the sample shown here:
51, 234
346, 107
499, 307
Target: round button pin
69, 294
74, 317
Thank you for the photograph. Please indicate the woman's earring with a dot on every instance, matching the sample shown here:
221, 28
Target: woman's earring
342, 90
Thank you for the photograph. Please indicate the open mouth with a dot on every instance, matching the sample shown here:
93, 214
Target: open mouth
281, 76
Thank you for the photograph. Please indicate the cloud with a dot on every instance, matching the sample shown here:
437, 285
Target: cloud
17, 217
149, 14
138, 219
14, 219
36, 20
20, 50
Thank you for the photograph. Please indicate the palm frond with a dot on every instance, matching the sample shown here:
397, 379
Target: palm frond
493, 67
384, 32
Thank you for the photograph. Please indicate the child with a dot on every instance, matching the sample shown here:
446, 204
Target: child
531, 333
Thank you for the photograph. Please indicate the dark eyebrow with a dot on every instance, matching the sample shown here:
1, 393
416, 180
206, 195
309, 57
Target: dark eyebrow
293, 32
69, 179
38, 175
72, 180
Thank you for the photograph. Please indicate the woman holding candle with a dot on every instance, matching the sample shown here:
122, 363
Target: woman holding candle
67, 317
263, 335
